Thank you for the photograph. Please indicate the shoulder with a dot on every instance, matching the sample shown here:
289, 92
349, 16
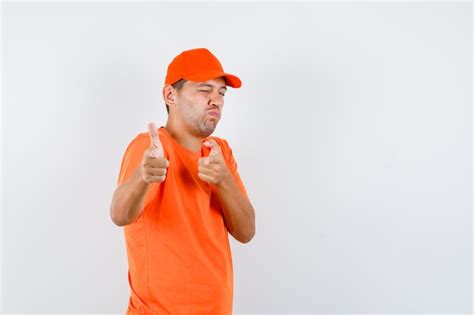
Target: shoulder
141, 140
142, 136
222, 142
225, 147
138, 144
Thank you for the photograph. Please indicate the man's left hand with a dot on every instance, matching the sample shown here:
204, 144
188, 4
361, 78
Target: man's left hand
213, 168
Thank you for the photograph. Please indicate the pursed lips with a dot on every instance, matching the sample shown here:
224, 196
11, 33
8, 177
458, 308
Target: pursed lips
214, 113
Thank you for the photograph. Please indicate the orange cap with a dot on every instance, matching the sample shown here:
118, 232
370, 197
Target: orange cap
198, 65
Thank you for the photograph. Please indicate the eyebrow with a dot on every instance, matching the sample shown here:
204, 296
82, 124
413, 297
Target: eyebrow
211, 86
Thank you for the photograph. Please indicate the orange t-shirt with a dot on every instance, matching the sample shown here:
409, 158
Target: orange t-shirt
178, 249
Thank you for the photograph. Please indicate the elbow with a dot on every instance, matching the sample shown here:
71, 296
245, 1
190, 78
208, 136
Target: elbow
245, 237
117, 221
250, 233
115, 217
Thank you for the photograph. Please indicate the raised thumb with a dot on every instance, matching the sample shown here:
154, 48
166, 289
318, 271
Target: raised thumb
156, 149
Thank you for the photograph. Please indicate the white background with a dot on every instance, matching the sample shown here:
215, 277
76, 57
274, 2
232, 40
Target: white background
352, 132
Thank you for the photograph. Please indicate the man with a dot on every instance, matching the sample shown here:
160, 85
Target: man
179, 194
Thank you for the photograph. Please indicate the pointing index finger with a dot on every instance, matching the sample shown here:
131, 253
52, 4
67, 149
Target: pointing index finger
154, 141
215, 149
155, 144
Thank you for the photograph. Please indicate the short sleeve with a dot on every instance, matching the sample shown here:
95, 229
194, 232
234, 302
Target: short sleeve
131, 161
232, 164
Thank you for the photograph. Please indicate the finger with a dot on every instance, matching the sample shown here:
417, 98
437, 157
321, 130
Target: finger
156, 149
215, 148
154, 141
153, 153
209, 160
154, 179
206, 178
205, 170
206, 160
156, 171
158, 163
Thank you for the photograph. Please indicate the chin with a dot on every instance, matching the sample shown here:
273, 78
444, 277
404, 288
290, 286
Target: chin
206, 132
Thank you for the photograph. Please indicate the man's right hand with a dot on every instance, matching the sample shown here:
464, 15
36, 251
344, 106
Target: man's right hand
154, 164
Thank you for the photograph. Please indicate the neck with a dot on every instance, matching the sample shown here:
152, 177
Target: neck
183, 136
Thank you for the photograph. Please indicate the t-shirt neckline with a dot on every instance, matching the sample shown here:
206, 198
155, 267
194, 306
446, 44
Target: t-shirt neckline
179, 146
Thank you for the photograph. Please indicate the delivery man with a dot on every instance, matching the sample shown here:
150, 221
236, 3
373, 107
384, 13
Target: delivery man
179, 194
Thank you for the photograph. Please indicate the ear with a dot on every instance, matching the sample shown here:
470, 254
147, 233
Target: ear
169, 95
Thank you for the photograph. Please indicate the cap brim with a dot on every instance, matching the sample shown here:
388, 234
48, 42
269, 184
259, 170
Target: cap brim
230, 79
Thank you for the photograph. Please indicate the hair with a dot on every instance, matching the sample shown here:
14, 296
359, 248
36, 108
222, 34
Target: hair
177, 86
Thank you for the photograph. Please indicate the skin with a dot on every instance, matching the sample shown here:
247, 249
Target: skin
188, 119
189, 123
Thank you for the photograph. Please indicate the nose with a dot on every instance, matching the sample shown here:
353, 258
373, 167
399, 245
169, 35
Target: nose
216, 99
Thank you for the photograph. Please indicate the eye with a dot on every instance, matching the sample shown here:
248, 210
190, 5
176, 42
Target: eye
223, 94
203, 90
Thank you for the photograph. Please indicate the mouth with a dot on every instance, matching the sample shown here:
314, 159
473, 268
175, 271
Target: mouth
214, 114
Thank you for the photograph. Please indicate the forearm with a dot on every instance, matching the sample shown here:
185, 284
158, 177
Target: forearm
238, 212
127, 202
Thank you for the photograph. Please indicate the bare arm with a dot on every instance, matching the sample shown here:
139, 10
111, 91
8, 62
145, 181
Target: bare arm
127, 202
239, 214
128, 199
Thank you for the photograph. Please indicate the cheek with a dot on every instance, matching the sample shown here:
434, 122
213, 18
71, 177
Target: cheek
202, 99
194, 104
197, 104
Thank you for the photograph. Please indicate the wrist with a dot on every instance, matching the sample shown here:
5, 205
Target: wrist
225, 182
139, 179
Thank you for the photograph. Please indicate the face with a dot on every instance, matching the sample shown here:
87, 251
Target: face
200, 104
